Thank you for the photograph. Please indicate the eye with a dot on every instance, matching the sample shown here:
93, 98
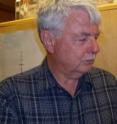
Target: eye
82, 38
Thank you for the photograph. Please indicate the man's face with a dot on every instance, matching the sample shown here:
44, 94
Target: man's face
75, 50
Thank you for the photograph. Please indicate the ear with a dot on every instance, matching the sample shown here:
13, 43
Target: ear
48, 40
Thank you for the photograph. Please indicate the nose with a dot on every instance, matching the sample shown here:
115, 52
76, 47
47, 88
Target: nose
94, 45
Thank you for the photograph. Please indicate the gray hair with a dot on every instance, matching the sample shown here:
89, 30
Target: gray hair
52, 16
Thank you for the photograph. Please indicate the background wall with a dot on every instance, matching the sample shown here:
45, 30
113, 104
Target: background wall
21, 49
107, 58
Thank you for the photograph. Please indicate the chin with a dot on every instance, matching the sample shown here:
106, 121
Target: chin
86, 69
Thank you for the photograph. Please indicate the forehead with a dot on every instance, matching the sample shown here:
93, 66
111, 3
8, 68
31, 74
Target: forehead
77, 16
78, 20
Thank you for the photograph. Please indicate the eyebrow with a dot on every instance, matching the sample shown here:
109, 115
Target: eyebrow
86, 34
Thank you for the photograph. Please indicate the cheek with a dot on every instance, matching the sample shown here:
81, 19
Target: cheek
67, 51
79, 52
64, 53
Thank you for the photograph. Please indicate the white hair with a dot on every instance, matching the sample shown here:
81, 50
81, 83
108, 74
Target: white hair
52, 16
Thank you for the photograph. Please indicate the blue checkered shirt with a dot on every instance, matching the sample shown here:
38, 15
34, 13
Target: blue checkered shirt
35, 97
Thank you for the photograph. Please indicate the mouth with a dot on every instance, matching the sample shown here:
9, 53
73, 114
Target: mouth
91, 61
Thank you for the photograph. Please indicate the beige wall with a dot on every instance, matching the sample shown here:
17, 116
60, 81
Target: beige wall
19, 50
107, 58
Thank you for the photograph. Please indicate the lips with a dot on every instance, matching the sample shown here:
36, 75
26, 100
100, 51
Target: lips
89, 61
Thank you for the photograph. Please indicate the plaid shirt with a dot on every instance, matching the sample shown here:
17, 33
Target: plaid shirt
35, 97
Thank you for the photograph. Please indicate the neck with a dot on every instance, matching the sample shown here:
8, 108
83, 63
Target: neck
63, 79
69, 85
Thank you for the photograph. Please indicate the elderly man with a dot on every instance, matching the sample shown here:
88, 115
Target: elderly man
65, 89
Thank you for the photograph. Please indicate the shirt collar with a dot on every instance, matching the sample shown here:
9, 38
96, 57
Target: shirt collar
50, 80
84, 83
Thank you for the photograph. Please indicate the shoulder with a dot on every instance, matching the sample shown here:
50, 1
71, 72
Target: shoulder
25, 77
101, 78
99, 72
23, 83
